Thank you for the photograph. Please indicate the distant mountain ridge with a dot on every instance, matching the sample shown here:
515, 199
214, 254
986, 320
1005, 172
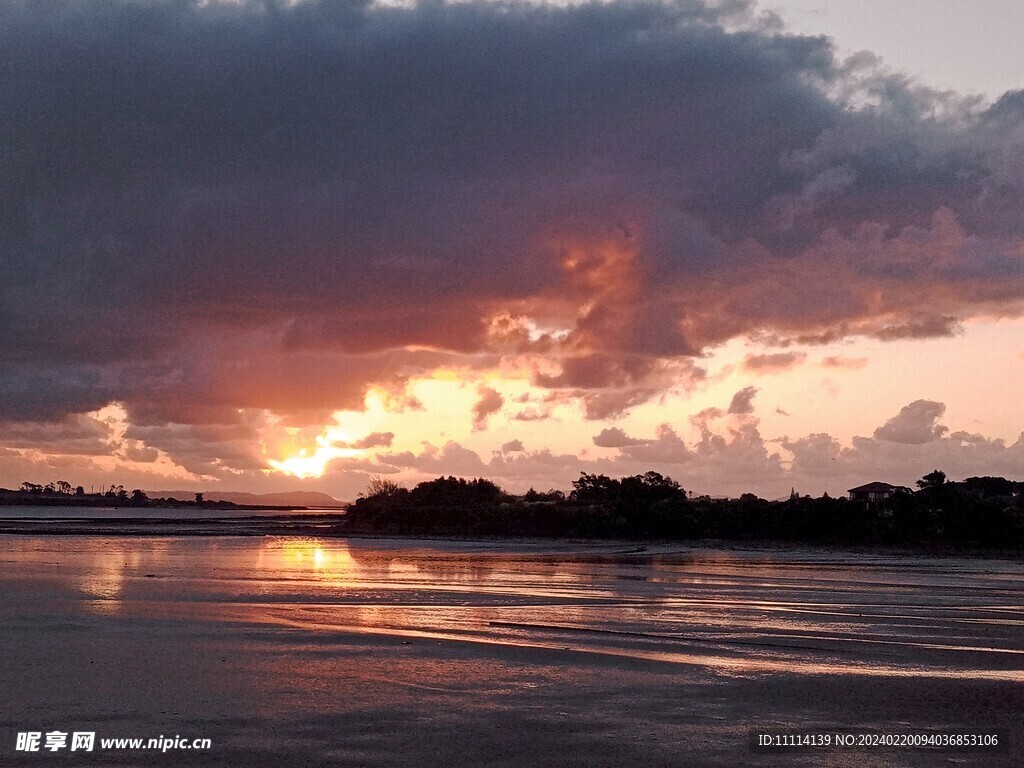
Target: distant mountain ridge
285, 499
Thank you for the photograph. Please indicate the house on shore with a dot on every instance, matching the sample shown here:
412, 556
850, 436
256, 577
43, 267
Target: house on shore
875, 493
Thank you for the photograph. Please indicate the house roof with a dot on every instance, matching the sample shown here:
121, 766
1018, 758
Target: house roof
875, 487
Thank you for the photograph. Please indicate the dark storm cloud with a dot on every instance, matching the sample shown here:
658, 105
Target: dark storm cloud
78, 434
242, 205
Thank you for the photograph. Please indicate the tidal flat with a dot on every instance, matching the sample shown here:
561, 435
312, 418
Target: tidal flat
292, 651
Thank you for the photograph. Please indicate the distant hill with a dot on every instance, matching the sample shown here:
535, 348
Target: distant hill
286, 499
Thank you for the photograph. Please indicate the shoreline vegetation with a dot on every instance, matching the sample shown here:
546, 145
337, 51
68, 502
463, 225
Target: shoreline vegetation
62, 494
978, 514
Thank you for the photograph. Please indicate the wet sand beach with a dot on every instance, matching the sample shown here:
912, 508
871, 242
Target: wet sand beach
303, 651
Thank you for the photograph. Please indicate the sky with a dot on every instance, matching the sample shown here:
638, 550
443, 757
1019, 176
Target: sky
960, 45
262, 246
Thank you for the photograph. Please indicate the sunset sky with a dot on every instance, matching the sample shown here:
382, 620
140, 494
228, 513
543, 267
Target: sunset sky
291, 246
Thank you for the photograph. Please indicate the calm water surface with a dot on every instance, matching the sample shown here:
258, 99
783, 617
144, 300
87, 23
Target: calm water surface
735, 613
57, 514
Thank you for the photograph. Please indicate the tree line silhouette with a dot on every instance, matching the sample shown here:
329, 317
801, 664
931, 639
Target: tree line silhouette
61, 493
979, 512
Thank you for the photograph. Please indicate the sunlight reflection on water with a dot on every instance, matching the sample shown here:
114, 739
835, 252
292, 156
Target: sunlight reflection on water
735, 612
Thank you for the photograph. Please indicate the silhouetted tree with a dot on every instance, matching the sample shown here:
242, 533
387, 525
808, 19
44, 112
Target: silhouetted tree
594, 489
982, 512
985, 487
381, 487
532, 496
932, 480
448, 491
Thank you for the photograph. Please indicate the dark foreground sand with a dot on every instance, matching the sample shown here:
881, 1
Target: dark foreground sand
305, 653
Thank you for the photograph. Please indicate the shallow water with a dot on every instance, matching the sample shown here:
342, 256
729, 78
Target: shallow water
290, 651
60, 513
733, 612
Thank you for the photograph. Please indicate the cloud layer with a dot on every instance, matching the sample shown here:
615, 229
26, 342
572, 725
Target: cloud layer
271, 206
730, 456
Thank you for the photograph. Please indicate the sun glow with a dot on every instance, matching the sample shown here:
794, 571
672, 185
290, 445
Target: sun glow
332, 443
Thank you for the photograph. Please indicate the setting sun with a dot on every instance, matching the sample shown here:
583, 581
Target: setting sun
331, 444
